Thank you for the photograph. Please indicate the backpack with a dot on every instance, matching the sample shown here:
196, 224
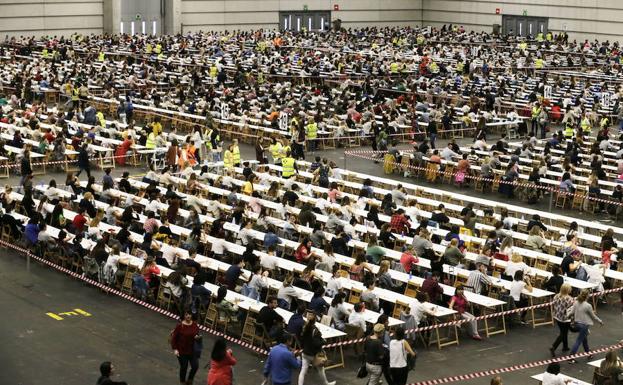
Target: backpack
323, 179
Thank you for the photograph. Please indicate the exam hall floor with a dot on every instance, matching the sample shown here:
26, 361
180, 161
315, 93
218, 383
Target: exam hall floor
39, 349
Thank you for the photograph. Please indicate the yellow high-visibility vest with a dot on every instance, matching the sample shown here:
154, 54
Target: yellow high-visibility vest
228, 159
236, 153
275, 151
100, 57
586, 125
151, 141
312, 130
604, 122
568, 132
287, 165
538, 63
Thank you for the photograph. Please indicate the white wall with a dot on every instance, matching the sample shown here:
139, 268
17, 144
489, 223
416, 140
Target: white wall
250, 14
51, 17
584, 19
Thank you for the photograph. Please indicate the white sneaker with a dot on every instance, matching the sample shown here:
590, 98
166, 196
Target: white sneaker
331, 383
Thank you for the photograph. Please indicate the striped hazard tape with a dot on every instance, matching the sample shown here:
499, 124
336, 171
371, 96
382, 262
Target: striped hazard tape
374, 155
129, 297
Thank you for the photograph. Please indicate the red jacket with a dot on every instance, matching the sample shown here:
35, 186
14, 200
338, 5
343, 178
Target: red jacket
183, 338
220, 371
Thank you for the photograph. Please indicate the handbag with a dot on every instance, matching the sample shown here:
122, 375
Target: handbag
410, 359
198, 346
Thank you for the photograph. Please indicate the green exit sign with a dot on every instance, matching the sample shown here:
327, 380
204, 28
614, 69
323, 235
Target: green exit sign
525, 12
305, 7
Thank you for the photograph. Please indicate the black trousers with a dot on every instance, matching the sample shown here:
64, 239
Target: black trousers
399, 375
563, 334
184, 360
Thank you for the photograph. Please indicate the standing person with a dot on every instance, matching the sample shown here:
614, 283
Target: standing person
280, 362
311, 342
83, 161
221, 365
399, 350
560, 305
517, 287
375, 355
183, 339
431, 131
583, 316
25, 167
228, 158
235, 150
106, 371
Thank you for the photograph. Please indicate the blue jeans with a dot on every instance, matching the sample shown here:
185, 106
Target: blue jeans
582, 338
432, 139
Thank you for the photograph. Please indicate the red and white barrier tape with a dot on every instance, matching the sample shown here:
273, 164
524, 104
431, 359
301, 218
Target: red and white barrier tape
129, 297
491, 372
363, 155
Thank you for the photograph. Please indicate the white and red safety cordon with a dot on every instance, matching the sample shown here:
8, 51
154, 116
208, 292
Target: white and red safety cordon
130, 297
363, 154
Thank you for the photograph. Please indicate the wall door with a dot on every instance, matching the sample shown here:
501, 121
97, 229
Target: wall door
524, 25
304, 20
142, 17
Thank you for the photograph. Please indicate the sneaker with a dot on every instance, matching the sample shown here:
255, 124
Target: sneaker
477, 338
572, 361
331, 383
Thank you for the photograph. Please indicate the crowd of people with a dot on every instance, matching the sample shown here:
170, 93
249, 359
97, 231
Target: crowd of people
391, 81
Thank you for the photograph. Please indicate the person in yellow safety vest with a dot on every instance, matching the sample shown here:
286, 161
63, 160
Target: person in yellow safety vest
604, 122
158, 48
149, 48
536, 111
75, 96
236, 152
549, 36
275, 150
261, 79
539, 37
569, 131
100, 118
288, 166
538, 63
44, 53
434, 68
150, 143
100, 56
586, 125
213, 71
393, 67
420, 40
312, 134
161, 56
228, 158
459, 67
285, 148
523, 46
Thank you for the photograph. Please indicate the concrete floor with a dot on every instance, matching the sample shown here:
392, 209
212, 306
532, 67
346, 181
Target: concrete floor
36, 348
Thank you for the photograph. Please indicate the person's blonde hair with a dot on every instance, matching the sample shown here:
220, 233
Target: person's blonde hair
88, 195
565, 289
454, 242
383, 267
583, 296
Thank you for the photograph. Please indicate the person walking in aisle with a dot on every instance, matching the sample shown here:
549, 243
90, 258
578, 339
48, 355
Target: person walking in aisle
221, 372
183, 339
280, 362
583, 316
399, 350
560, 305
312, 342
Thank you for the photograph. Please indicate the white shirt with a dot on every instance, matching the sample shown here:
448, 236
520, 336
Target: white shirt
417, 310
512, 268
168, 253
268, 261
333, 286
552, 379
218, 246
397, 354
110, 267
357, 319
516, 289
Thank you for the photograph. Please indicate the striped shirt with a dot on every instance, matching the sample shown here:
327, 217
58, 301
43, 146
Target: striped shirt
475, 280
